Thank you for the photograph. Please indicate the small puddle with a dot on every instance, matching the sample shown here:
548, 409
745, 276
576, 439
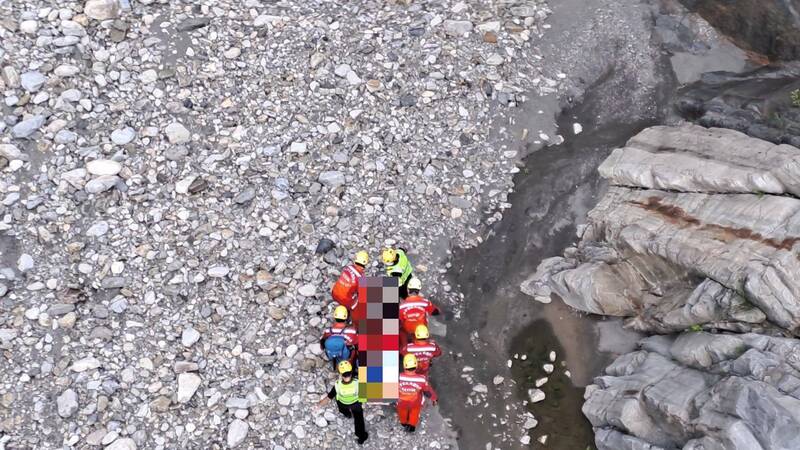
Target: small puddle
535, 342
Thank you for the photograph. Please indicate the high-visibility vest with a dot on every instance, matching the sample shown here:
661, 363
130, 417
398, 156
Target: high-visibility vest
403, 265
347, 393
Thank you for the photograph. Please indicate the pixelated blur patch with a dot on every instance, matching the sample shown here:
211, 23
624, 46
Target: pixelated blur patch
377, 320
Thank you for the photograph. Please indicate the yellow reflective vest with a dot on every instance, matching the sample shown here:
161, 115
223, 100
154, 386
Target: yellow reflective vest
347, 393
403, 266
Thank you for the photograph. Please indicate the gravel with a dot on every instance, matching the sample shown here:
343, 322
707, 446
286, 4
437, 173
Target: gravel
237, 433
341, 125
176, 132
189, 337
187, 386
103, 167
32, 81
26, 127
67, 403
123, 136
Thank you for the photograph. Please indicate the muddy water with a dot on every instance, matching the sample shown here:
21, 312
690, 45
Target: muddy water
536, 341
557, 187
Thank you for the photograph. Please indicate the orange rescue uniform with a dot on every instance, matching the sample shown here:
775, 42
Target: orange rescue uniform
425, 351
349, 334
412, 389
345, 290
414, 311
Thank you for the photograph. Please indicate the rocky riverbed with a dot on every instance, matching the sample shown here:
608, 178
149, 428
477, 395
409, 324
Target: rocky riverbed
181, 182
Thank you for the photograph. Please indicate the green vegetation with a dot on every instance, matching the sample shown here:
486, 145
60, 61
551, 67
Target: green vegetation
795, 95
776, 120
739, 351
696, 328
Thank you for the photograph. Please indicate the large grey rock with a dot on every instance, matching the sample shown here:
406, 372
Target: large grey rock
7, 334
67, 403
610, 439
123, 136
332, 178
101, 184
177, 133
237, 432
32, 81
457, 27
84, 364
11, 152
25, 128
725, 238
187, 386
757, 103
696, 159
700, 391
777, 36
102, 9
75, 177
122, 444
710, 256
10, 76
189, 336
103, 167
699, 230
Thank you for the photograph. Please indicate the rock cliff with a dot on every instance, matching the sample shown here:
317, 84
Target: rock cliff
700, 391
758, 103
699, 231
769, 27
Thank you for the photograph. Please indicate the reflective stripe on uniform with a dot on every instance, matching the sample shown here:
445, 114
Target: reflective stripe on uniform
412, 378
353, 271
347, 330
427, 348
406, 305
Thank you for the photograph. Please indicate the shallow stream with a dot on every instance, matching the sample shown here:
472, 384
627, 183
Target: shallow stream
553, 193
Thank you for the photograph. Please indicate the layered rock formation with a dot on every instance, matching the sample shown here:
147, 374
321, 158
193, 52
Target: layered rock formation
758, 103
769, 27
700, 230
700, 391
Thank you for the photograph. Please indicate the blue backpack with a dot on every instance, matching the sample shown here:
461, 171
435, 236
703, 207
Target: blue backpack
336, 348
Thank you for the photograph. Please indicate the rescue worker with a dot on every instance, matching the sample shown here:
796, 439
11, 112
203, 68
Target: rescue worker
340, 341
345, 390
398, 265
345, 290
414, 311
423, 348
412, 390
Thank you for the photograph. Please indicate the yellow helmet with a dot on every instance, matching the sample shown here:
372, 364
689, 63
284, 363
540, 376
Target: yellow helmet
414, 284
409, 361
389, 255
362, 258
421, 332
340, 313
345, 367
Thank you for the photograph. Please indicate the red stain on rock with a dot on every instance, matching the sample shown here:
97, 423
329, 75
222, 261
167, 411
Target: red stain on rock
678, 216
